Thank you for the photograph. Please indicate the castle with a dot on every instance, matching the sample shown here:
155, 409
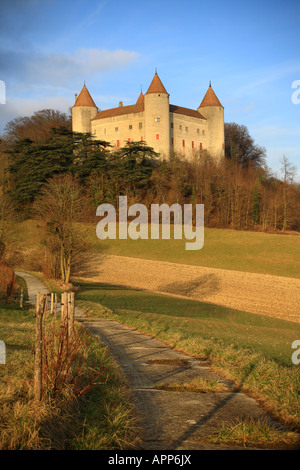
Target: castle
152, 119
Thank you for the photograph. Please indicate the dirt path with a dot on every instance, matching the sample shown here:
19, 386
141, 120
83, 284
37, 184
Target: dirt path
172, 420
169, 420
264, 294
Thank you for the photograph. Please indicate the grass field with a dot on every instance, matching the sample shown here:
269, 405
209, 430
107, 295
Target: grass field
254, 351
101, 419
226, 249
250, 349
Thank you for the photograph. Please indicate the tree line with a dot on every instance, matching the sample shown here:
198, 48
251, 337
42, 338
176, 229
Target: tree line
46, 168
239, 192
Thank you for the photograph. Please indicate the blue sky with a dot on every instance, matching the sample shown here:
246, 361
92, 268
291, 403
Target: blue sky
249, 50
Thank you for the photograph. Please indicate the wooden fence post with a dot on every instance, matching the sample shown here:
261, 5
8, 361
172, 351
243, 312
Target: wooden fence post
37, 302
21, 297
64, 307
55, 304
71, 312
51, 303
38, 360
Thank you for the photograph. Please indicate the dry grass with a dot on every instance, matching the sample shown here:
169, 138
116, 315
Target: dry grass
272, 381
88, 407
254, 433
262, 294
198, 385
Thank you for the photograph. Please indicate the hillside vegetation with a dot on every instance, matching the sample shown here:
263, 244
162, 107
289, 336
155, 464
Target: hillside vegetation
247, 251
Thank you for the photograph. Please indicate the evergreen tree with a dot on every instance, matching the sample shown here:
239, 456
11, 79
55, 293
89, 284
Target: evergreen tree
32, 163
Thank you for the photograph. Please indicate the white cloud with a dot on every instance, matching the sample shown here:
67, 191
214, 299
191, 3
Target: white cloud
16, 107
58, 69
27, 70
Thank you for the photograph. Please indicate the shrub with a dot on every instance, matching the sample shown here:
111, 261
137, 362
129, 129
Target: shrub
65, 374
8, 285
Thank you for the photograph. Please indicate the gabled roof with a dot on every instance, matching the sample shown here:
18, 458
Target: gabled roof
84, 98
185, 111
210, 99
134, 108
156, 86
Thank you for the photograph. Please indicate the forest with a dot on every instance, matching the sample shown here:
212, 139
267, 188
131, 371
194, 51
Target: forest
240, 192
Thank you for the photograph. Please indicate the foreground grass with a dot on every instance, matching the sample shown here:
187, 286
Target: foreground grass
250, 433
251, 350
101, 419
198, 385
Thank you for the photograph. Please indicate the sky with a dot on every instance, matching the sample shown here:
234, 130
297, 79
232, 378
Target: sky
249, 50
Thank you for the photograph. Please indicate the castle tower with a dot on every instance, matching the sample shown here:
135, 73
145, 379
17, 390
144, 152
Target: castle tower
213, 111
157, 117
83, 111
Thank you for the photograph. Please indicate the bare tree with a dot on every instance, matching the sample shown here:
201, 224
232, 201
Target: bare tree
8, 232
288, 170
62, 206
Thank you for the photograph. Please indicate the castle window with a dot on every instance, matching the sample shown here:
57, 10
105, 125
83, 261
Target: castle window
157, 136
186, 129
130, 126
116, 129
203, 132
140, 125
172, 141
198, 131
157, 119
172, 125
180, 127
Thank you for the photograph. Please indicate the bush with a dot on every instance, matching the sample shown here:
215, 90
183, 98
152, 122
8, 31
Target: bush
8, 285
65, 372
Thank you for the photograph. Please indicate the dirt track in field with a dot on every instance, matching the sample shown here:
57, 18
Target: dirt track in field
264, 294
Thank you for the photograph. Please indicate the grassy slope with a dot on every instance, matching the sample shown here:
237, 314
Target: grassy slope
269, 336
227, 249
252, 350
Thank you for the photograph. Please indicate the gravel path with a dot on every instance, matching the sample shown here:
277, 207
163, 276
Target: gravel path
167, 419
34, 285
263, 294
173, 420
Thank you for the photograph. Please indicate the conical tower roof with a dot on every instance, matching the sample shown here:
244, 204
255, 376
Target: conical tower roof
210, 98
84, 98
140, 99
156, 86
